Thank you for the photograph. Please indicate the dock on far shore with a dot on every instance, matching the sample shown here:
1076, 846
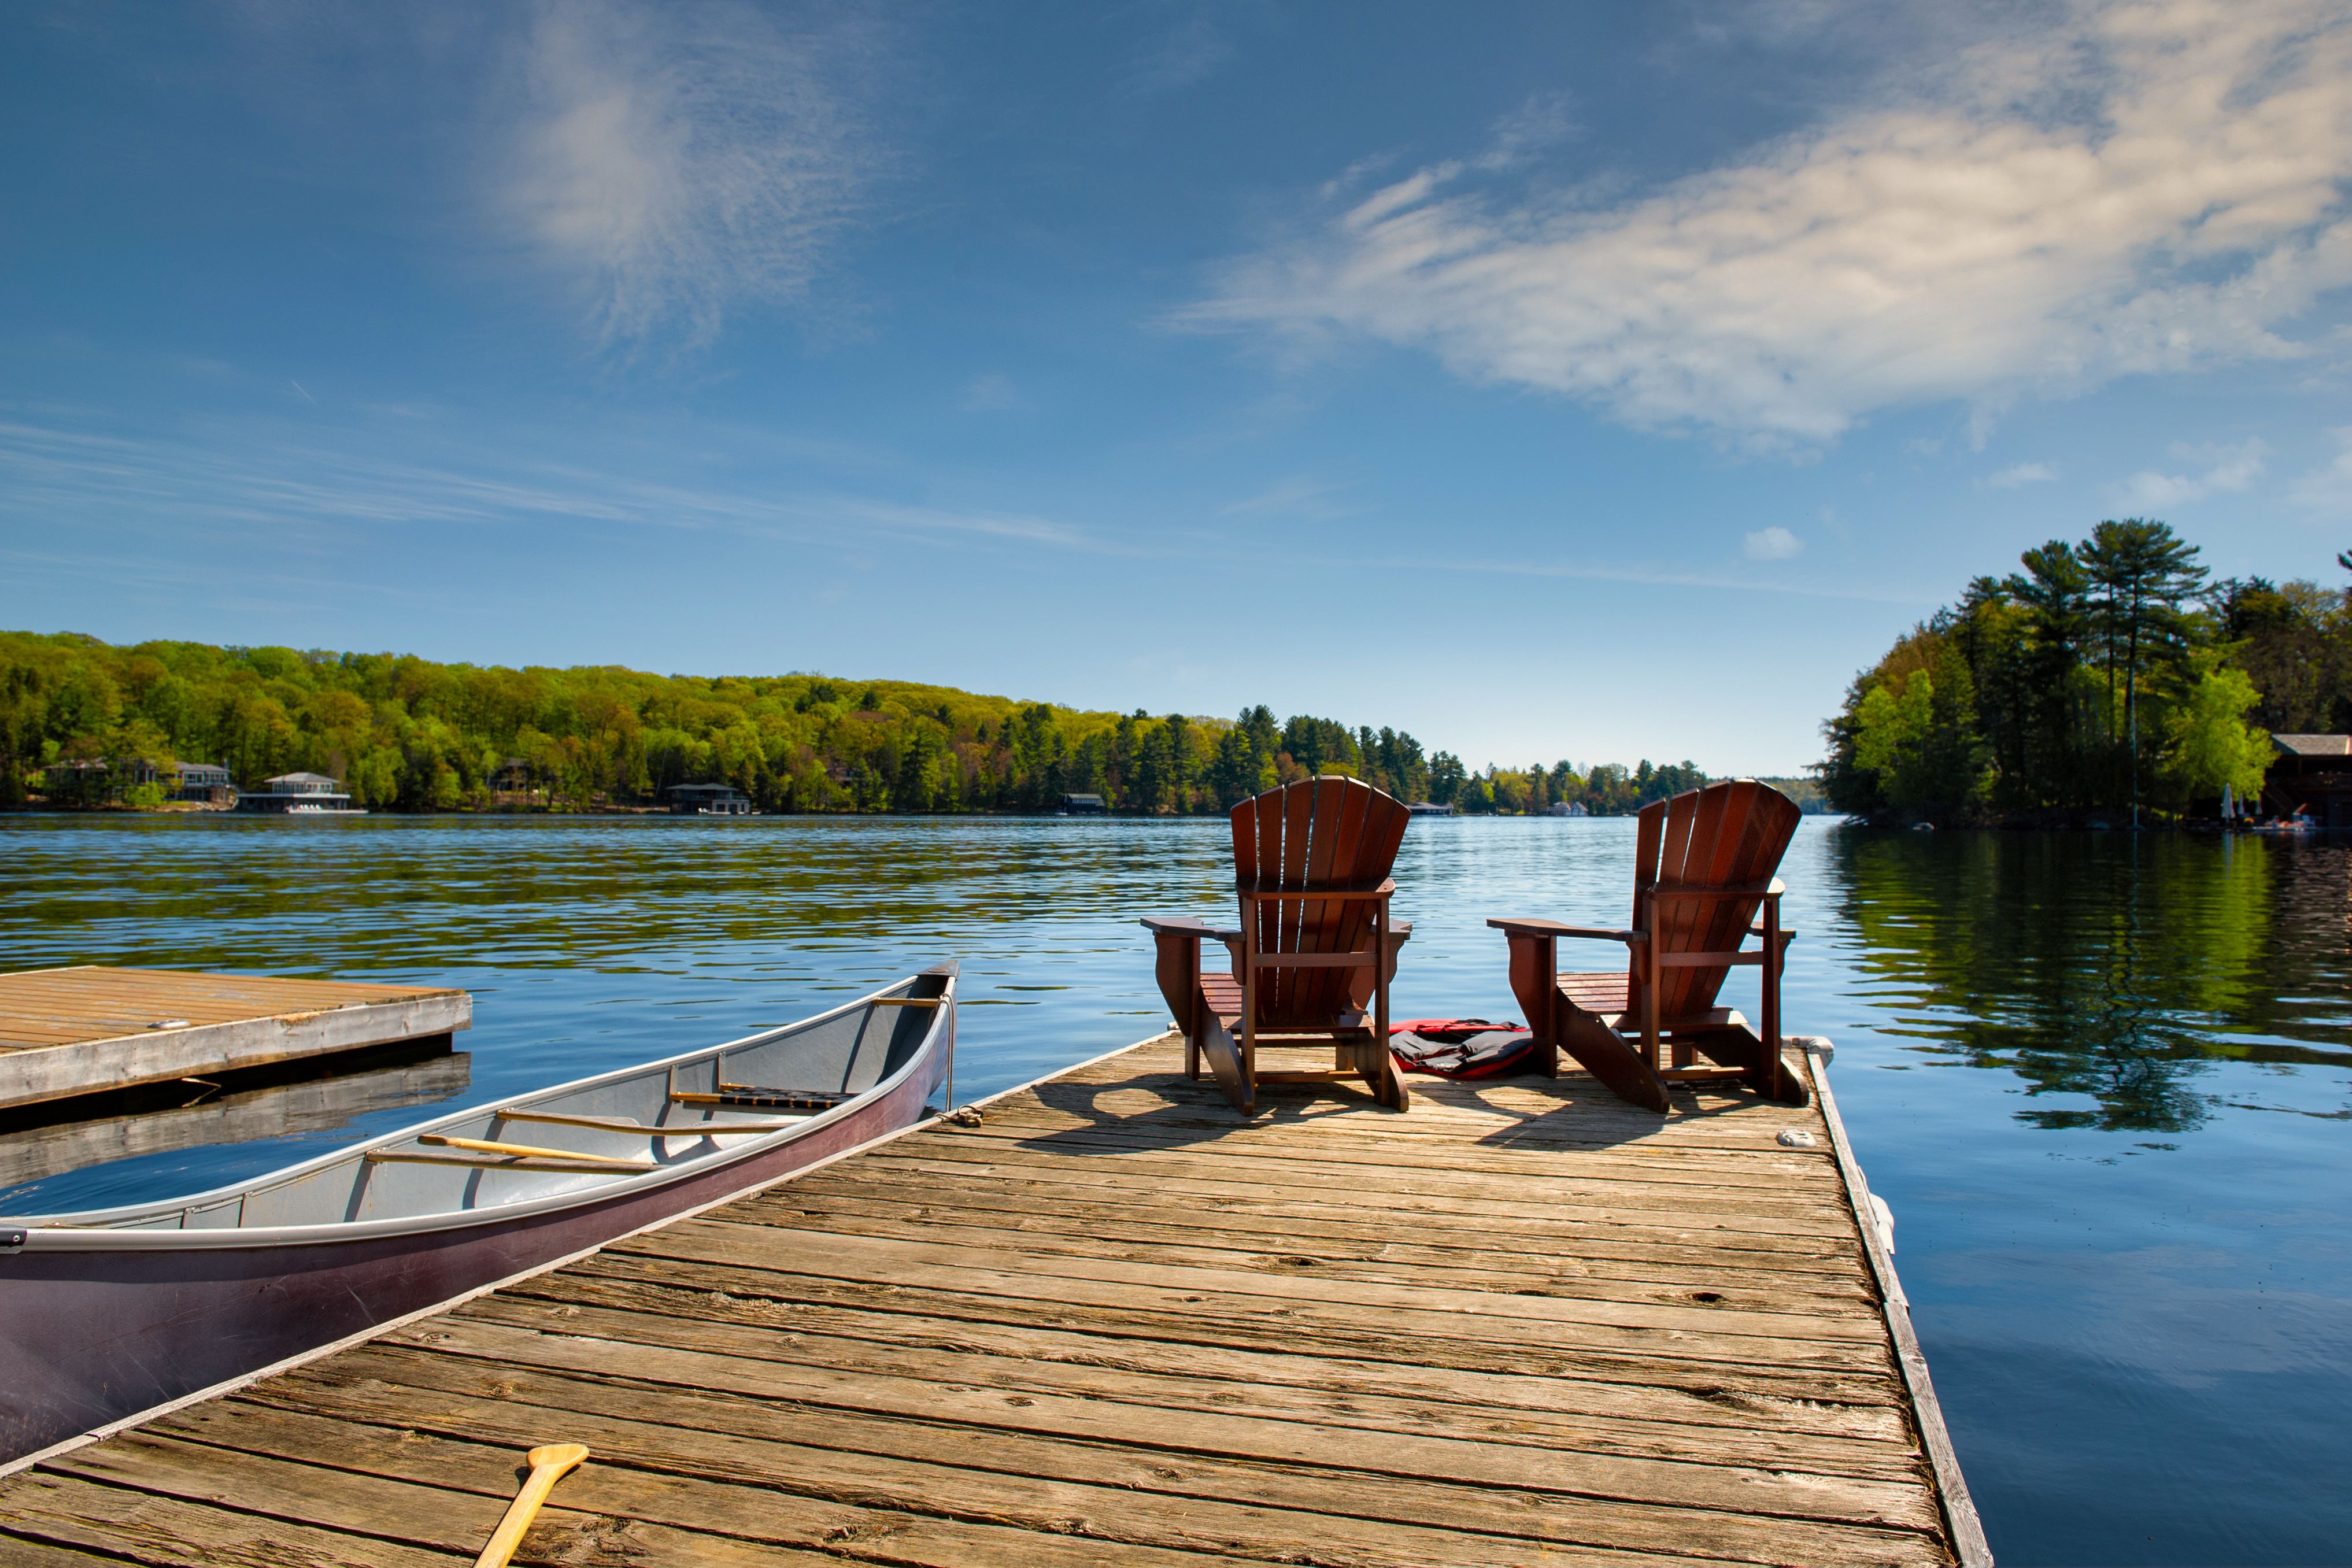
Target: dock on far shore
92, 1028
1114, 1322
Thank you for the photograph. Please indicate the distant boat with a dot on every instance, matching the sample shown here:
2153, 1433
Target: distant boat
110, 1313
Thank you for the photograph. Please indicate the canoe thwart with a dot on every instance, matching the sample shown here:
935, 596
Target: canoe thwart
503, 1163
625, 1124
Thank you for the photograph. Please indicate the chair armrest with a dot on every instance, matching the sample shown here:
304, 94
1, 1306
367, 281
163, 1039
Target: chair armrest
1788, 933
1554, 928
1176, 925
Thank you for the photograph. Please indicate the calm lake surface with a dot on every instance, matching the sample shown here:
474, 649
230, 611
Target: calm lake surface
2104, 1081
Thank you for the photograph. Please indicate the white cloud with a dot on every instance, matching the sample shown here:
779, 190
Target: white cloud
2022, 474
992, 394
2232, 467
683, 160
1774, 543
2328, 489
2141, 187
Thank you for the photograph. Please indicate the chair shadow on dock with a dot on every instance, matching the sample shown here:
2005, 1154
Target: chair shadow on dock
1168, 1110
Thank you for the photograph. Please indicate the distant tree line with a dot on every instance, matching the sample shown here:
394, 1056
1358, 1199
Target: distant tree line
2106, 675
408, 734
1605, 789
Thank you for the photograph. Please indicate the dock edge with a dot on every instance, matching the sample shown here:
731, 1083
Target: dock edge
1951, 1488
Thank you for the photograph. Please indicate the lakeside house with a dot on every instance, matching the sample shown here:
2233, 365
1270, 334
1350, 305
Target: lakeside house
1428, 808
1566, 808
300, 794
205, 784
97, 781
707, 800
2311, 775
1083, 805
80, 783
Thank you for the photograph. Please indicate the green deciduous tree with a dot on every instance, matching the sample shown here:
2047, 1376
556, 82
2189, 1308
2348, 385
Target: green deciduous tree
2090, 683
2213, 746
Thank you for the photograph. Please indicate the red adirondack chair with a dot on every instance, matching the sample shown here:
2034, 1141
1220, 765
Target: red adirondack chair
1315, 947
1702, 869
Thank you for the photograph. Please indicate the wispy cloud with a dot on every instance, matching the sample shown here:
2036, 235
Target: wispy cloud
1658, 577
683, 160
2328, 490
2022, 474
992, 394
2135, 188
1187, 52
234, 480
1774, 543
2232, 467
1297, 496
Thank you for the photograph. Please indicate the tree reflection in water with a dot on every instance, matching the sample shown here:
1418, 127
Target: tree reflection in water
2109, 966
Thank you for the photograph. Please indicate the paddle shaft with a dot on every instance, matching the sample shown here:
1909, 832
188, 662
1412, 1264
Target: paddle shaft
548, 1466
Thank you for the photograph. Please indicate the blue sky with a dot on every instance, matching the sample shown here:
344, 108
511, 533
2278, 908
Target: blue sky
1585, 381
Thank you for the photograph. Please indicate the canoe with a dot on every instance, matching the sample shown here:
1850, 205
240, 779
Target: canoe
111, 1312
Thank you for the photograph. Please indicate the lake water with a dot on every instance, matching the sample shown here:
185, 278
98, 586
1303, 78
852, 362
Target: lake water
2104, 1081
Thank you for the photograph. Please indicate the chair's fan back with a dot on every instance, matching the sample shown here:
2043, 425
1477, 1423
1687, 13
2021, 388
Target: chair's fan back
1727, 835
1316, 834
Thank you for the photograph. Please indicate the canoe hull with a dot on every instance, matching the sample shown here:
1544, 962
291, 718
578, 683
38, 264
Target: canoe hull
100, 1336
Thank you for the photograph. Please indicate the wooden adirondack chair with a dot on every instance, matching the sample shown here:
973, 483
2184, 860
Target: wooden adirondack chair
1315, 948
1702, 868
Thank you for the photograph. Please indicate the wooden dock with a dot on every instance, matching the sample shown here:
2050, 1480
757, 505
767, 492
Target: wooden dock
89, 1029
1522, 1324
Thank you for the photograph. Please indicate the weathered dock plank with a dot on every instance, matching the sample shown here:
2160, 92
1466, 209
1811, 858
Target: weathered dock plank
1115, 1325
90, 1028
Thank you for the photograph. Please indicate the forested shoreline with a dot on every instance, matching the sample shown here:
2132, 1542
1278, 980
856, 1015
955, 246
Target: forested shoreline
2107, 676
406, 733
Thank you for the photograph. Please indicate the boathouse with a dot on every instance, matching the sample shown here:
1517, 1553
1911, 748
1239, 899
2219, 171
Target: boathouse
300, 794
1083, 805
2312, 774
1428, 808
707, 800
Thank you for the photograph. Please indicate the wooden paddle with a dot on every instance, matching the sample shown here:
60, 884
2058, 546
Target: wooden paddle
548, 1466
530, 1150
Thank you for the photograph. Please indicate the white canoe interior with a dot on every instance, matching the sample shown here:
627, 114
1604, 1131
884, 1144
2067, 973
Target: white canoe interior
619, 1133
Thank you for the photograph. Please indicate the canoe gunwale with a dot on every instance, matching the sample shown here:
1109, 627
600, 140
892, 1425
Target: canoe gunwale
111, 1230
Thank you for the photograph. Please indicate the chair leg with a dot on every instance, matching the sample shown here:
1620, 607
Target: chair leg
1623, 1065
1247, 1101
